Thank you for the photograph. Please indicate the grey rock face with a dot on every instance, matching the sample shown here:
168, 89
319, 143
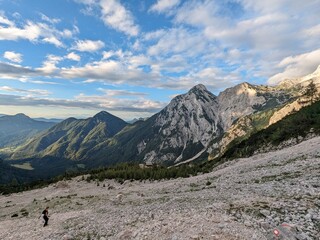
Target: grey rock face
236, 102
195, 119
189, 120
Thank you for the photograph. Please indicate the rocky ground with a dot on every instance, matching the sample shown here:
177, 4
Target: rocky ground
243, 199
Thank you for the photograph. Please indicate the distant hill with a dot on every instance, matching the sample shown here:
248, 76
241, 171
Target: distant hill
72, 138
53, 120
136, 120
15, 129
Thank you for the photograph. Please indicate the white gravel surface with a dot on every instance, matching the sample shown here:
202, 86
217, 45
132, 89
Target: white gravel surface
246, 199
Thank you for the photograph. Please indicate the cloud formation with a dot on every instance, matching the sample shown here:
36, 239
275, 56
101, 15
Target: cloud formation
167, 45
28, 93
297, 66
73, 56
88, 45
164, 5
96, 102
118, 17
15, 71
34, 32
13, 56
113, 14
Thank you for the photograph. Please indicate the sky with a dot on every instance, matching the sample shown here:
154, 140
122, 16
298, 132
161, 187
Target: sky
66, 58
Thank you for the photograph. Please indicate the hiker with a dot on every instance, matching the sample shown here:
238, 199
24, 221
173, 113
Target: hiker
45, 215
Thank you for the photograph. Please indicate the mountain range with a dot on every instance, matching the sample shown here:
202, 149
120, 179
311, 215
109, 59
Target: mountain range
72, 138
16, 129
195, 125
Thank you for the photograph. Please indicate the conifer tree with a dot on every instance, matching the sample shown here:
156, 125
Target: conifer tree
312, 92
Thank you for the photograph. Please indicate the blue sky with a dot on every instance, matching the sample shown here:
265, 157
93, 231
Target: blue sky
67, 58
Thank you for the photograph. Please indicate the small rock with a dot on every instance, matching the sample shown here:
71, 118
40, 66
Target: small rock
67, 237
287, 219
308, 216
264, 225
125, 235
302, 236
247, 223
265, 212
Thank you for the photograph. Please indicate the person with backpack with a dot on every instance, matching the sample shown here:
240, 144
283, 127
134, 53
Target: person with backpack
45, 214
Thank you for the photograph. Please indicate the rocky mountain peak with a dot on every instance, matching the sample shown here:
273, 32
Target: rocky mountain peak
238, 101
111, 120
242, 88
198, 89
185, 126
102, 115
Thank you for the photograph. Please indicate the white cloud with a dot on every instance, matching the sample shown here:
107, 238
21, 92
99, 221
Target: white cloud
49, 65
179, 40
5, 21
112, 93
32, 101
88, 45
164, 5
297, 66
118, 17
263, 32
127, 105
212, 77
53, 40
34, 32
107, 55
155, 35
53, 58
13, 56
173, 64
29, 93
313, 31
14, 71
49, 20
199, 13
254, 33
30, 32
73, 56
119, 54
290, 6
107, 71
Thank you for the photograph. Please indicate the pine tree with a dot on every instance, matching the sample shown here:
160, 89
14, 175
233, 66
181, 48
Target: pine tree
311, 92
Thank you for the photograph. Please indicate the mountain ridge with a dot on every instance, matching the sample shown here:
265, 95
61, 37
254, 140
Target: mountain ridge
65, 139
15, 129
191, 124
